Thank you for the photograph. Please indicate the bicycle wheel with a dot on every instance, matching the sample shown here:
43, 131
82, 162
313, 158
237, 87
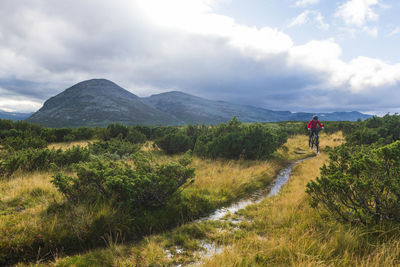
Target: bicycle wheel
317, 143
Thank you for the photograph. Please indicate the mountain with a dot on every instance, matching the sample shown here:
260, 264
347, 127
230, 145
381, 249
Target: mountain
98, 102
192, 109
15, 116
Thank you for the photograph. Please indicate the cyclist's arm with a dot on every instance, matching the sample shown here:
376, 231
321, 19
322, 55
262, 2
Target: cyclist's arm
320, 125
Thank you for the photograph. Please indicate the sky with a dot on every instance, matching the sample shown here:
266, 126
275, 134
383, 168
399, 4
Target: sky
297, 55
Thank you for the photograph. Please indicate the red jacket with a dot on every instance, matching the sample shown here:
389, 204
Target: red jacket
313, 124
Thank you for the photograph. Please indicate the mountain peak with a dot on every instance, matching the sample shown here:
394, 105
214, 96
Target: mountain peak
97, 87
98, 102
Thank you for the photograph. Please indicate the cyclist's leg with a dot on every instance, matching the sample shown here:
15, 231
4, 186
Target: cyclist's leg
316, 133
309, 138
314, 136
317, 140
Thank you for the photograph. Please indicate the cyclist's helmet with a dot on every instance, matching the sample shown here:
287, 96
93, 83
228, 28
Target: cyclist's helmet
315, 117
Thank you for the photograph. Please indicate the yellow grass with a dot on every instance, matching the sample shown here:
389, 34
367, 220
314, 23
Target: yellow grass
67, 145
23, 200
22, 184
148, 146
230, 174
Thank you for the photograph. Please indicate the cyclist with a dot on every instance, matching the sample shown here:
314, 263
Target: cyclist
312, 127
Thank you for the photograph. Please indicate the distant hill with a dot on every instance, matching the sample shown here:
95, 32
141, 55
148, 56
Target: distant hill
192, 109
15, 116
99, 102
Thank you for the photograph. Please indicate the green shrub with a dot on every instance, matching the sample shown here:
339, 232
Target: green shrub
115, 130
41, 159
161, 131
113, 146
360, 184
175, 143
19, 143
235, 140
381, 131
135, 137
136, 188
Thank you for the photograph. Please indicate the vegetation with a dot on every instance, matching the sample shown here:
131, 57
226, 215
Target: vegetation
378, 131
109, 187
235, 140
29, 160
138, 180
134, 188
279, 231
361, 182
360, 186
175, 143
232, 140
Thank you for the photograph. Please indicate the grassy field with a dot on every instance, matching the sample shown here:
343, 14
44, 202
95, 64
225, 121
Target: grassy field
222, 182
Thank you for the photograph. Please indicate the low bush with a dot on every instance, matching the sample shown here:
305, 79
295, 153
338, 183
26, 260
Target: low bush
146, 185
235, 140
135, 137
175, 143
19, 143
41, 159
360, 184
115, 146
381, 131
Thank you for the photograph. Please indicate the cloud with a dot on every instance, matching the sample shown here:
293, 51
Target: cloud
371, 31
310, 16
395, 31
357, 12
304, 3
154, 46
11, 103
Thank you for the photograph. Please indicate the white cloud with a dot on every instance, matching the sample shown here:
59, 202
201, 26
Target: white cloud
11, 103
310, 16
19, 105
304, 3
360, 74
395, 31
357, 12
371, 31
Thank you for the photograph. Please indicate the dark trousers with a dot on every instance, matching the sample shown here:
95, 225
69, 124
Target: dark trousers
312, 132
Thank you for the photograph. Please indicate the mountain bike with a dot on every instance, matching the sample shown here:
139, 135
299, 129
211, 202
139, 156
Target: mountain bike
314, 141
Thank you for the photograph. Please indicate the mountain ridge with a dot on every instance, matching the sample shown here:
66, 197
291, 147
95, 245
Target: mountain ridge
98, 102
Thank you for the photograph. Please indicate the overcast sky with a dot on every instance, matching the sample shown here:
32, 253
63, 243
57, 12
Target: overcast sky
298, 55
